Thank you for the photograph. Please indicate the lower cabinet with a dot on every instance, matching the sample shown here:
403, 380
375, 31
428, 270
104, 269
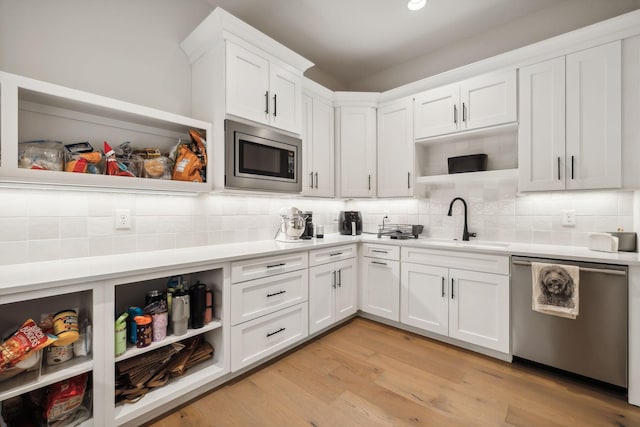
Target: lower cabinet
333, 290
269, 312
380, 291
468, 305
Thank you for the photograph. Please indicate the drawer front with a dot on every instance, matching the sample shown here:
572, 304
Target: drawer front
256, 298
389, 252
498, 264
258, 338
256, 268
336, 253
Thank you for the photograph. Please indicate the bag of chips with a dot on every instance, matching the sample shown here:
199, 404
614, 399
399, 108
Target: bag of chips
191, 159
27, 339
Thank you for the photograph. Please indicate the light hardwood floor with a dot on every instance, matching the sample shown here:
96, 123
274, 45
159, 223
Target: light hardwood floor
368, 374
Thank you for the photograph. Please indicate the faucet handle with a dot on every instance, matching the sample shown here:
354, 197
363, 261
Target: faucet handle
473, 235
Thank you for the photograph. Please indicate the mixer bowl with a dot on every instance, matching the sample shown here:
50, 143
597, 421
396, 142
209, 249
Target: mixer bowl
293, 227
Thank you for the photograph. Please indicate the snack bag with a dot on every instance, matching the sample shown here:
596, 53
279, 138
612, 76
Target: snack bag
29, 338
64, 397
191, 159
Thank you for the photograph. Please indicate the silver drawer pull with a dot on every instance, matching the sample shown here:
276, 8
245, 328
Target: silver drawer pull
378, 262
335, 254
282, 264
379, 251
275, 332
276, 293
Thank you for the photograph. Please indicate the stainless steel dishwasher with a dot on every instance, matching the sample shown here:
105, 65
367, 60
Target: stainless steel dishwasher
595, 343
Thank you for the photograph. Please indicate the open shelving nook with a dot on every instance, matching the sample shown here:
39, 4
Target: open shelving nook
34, 110
500, 143
15, 308
131, 291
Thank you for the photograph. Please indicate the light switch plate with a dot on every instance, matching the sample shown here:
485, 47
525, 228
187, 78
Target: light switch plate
569, 217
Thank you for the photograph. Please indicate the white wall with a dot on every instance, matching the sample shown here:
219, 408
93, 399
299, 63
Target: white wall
566, 16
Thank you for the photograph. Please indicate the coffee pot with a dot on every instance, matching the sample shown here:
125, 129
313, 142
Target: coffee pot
180, 309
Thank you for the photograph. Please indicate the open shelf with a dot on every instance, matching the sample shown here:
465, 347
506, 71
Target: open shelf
468, 176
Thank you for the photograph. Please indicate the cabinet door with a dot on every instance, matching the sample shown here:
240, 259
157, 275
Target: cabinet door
286, 96
306, 134
346, 292
395, 150
424, 297
381, 288
479, 308
594, 143
488, 100
541, 131
247, 84
323, 150
322, 282
436, 111
357, 152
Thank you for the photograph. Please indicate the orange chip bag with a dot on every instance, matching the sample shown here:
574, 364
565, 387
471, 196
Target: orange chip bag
29, 338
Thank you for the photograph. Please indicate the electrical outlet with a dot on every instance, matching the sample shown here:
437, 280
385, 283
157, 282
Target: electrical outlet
569, 217
123, 219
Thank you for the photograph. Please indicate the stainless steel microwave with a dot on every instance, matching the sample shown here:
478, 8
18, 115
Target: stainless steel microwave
259, 158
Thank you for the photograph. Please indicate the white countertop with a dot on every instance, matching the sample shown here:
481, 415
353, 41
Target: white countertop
28, 276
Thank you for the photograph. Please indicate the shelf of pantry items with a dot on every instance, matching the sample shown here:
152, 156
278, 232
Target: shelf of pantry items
170, 339
98, 112
15, 386
198, 376
468, 176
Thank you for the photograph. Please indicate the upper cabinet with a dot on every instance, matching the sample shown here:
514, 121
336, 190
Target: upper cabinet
356, 142
480, 102
260, 89
395, 149
569, 135
318, 169
41, 122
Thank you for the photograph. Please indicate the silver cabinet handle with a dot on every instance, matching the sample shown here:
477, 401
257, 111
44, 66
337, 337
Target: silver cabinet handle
333, 279
582, 269
409, 180
340, 277
311, 177
572, 158
558, 167
276, 332
276, 293
379, 263
266, 102
316, 180
335, 254
442, 286
369, 182
452, 288
282, 264
275, 105
378, 251
455, 114
464, 112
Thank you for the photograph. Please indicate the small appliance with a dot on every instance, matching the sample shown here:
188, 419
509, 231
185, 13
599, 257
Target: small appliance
259, 158
293, 225
308, 229
350, 223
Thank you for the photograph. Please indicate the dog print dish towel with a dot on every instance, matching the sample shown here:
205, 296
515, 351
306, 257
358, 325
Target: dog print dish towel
555, 289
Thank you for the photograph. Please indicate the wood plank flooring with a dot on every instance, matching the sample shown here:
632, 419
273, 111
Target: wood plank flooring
368, 374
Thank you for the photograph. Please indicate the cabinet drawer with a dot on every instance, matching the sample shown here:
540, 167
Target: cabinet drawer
258, 338
381, 251
258, 297
498, 264
336, 253
256, 268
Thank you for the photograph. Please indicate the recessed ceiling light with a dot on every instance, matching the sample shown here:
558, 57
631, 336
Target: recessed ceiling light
416, 4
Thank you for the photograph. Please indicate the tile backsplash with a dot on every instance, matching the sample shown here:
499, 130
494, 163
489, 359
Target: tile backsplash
38, 225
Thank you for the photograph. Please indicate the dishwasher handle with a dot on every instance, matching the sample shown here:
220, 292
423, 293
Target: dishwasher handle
582, 269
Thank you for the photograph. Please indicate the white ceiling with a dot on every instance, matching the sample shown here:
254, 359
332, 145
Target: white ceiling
354, 39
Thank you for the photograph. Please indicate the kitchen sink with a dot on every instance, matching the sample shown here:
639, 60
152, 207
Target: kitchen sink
463, 244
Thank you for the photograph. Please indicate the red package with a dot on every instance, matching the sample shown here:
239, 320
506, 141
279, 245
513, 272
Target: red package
29, 338
64, 397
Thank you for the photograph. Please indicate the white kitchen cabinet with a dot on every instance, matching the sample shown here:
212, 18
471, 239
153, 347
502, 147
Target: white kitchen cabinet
570, 121
480, 102
380, 284
269, 306
318, 177
460, 295
333, 290
35, 110
356, 139
395, 149
260, 89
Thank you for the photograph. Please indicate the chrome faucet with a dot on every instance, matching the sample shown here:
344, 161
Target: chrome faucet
465, 232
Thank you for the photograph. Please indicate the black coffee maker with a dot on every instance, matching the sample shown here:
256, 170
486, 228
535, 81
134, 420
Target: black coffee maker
350, 223
308, 227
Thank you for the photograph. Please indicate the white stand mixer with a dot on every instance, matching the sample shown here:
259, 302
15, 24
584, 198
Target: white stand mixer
292, 225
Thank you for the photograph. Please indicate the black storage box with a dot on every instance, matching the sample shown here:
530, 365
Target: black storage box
470, 163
